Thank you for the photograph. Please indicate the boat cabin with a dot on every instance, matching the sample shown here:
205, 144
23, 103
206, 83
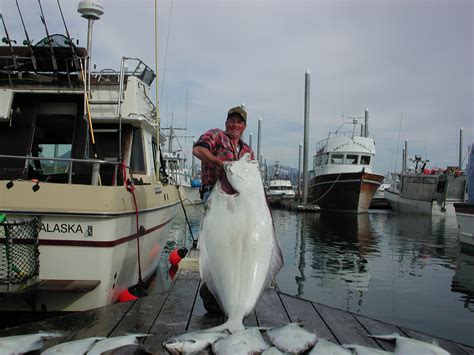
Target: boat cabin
54, 128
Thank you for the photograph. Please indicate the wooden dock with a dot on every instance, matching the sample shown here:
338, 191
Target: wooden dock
180, 310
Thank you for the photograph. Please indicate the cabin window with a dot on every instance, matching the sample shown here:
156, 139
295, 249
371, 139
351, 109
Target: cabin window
352, 159
365, 160
137, 158
414, 180
337, 159
429, 180
325, 159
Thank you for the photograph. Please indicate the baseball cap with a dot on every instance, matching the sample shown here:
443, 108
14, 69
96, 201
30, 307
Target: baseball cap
239, 110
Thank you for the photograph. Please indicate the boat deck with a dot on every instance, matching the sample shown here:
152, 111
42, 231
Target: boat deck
181, 310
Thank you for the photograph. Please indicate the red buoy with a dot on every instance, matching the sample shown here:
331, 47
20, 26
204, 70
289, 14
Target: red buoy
126, 296
176, 255
172, 271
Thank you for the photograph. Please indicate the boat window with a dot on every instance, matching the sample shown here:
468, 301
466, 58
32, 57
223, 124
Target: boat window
429, 180
137, 158
337, 158
352, 159
365, 160
325, 158
54, 151
414, 180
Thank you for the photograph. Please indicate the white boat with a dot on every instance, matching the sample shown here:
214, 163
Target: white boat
430, 192
174, 162
342, 178
175, 167
103, 213
278, 191
465, 210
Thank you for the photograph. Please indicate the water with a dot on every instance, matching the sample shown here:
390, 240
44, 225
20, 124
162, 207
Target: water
402, 269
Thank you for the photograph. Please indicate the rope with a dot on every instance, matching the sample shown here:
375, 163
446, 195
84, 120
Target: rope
185, 216
131, 188
327, 190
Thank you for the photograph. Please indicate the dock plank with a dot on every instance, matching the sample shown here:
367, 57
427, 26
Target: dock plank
201, 319
176, 311
303, 312
344, 326
270, 311
375, 327
251, 320
141, 316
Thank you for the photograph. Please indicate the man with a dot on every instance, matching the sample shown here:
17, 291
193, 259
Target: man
214, 148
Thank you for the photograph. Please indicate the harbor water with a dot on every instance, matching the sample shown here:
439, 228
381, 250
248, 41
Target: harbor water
403, 269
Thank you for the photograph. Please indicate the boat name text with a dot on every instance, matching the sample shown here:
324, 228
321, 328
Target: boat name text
346, 144
61, 228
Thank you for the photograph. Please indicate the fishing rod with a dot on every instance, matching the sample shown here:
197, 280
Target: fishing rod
8, 40
71, 45
27, 41
53, 58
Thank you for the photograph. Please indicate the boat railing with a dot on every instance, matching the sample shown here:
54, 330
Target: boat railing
94, 177
322, 143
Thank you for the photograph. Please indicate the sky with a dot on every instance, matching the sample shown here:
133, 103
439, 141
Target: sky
410, 63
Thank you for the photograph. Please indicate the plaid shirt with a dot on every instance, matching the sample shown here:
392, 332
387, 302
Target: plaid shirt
219, 143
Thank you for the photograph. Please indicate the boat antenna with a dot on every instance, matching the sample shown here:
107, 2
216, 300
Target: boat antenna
70, 42
48, 39
166, 50
91, 11
398, 143
8, 40
27, 41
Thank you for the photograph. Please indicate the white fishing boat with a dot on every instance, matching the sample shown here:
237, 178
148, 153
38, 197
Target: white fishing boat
85, 215
465, 210
174, 162
426, 191
342, 178
279, 190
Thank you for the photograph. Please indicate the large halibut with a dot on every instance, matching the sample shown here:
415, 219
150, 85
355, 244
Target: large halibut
239, 253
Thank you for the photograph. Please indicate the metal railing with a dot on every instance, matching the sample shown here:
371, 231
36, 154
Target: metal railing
96, 164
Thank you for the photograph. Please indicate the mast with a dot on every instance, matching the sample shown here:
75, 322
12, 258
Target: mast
157, 102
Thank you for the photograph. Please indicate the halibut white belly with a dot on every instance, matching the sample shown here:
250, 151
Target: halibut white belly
239, 253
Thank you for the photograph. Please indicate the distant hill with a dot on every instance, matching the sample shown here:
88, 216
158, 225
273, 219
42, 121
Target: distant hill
282, 172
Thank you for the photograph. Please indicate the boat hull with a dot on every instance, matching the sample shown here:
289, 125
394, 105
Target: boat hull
465, 219
431, 208
344, 192
94, 243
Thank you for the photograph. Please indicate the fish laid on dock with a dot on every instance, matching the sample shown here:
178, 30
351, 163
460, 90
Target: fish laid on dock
405, 345
80, 346
324, 347
114, 343
292, 338
19, 344
365, 350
